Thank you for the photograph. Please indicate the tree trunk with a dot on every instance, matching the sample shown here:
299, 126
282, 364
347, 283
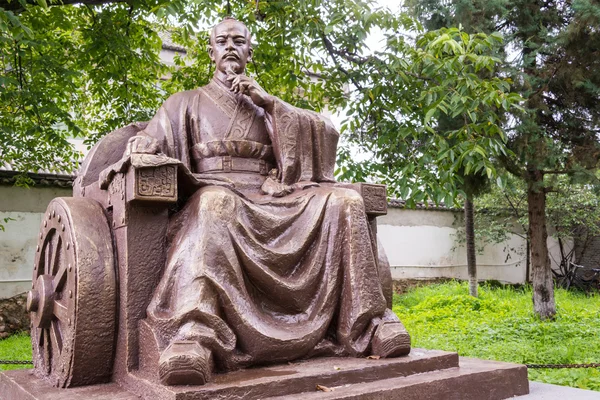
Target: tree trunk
543, 286
471, 257
528, 261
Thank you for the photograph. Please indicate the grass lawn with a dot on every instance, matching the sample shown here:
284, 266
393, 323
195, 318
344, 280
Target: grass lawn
500, 325
15, 347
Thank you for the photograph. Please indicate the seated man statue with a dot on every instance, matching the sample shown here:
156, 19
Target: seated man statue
271, 262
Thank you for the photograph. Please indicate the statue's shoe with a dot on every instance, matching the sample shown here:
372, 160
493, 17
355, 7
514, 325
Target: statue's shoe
390, 340
185, 363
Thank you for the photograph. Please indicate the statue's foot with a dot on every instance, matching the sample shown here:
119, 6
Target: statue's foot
185, 363
390, 340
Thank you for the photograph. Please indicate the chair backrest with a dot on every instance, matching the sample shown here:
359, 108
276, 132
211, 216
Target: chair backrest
106, 152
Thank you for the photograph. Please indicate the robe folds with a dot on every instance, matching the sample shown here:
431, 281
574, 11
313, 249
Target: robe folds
255, 278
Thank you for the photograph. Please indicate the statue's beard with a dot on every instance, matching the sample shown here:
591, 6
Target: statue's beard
229, 70
233, 67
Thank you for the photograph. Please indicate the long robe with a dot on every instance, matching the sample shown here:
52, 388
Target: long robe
255, 278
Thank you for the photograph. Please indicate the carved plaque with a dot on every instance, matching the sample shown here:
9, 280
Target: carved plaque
375, 198
156, 183
116, 187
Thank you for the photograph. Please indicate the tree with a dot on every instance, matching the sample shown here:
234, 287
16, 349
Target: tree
472, 184
442, 143
553, 59
87, 67
67, 70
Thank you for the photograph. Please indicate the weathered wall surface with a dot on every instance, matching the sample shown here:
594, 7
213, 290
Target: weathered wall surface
421, 244
18, 241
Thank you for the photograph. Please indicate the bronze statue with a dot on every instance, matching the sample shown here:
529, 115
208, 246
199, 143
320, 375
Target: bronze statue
273, 262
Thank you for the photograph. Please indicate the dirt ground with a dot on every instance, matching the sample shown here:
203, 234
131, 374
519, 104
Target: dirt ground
402, 286
13, 315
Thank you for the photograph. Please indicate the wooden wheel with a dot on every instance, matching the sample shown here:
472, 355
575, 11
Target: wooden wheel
72, 303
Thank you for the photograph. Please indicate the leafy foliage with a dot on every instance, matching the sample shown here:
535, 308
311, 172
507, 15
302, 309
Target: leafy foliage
500, 325
83, 69
409, 90
72, 71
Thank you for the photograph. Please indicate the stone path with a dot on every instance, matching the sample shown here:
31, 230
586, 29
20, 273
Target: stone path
546, 391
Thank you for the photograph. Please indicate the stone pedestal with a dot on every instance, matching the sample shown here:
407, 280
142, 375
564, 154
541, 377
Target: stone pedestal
424, 374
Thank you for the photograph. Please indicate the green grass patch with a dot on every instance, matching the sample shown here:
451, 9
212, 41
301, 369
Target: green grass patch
15, 347
500, 325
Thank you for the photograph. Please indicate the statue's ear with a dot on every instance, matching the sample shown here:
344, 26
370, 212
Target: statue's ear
211, 54
250, 53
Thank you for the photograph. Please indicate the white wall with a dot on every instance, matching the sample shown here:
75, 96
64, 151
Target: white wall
420, 244
25, 207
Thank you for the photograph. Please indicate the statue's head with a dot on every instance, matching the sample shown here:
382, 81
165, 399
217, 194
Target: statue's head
230, 45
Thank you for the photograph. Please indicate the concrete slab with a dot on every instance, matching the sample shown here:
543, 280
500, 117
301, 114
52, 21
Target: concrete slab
546, 391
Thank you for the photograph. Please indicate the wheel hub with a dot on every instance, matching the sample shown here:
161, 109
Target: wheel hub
40, 301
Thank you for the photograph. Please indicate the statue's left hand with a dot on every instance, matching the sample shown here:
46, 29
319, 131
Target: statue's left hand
248, 86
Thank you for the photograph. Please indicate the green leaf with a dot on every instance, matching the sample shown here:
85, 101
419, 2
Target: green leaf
429, 115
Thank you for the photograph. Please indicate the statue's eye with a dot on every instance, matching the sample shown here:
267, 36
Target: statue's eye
240, 42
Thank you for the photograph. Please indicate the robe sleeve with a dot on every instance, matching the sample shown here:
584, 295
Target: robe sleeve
304, 144
170, 128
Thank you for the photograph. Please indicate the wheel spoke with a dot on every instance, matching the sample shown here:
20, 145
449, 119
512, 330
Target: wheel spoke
47, 350
47, 257
56, 255
56, 337
60, 278
39, 336
61, 312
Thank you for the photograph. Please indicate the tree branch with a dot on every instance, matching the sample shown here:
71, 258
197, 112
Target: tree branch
509, 164
16, 6
334, 53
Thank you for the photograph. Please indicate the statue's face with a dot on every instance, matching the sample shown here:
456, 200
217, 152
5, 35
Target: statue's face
230, 46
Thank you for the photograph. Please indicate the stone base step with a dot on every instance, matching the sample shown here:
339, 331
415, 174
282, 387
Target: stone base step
291, 378
424, 374
473, 380
22, 384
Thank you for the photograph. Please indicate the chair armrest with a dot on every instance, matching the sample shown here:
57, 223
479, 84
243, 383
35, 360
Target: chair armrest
152, 178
